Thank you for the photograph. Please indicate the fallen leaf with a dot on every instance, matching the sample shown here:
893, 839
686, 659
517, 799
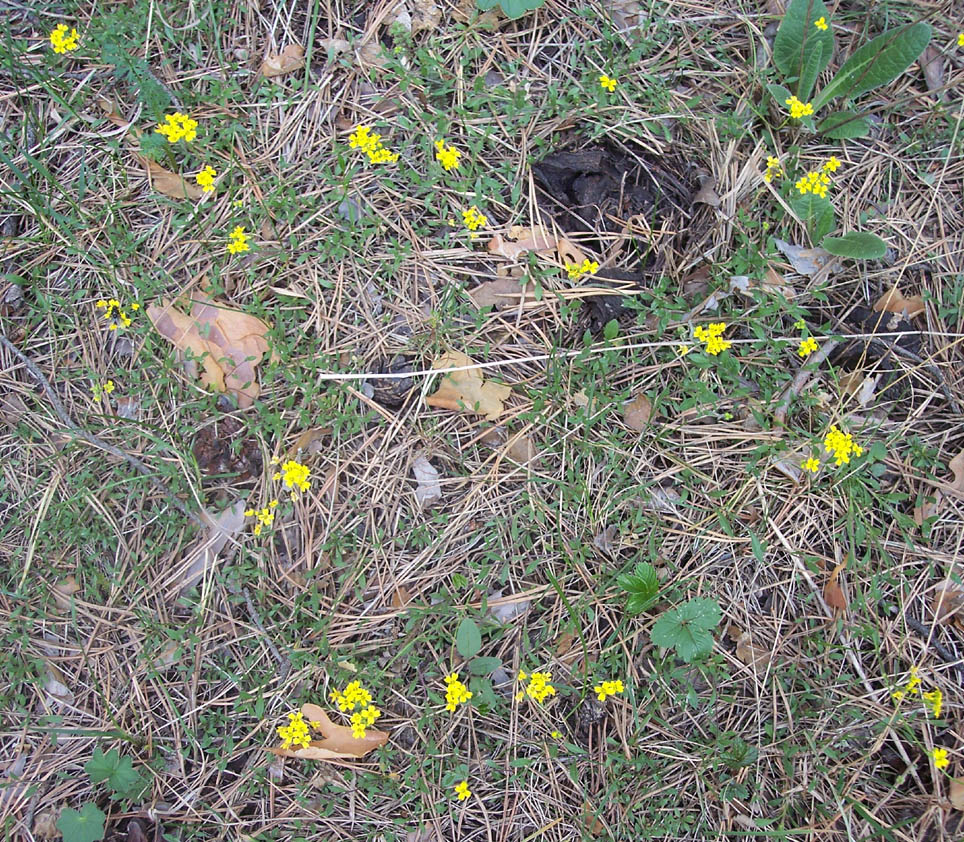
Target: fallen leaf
772, 282
747, 651
55, 684
63, 591
12, 409
637, 412
371, 54
932, 63
337, 742
788, 468
956, 793
401, 597
334, 45
45, 824
697, 282
661, 500
429, 490
707, 195
505, 609
168, 656
832, 592
427, 16
204, 555
288, 60
568, 253
520, 240
308, 442
948, 602
928, 508
625, 14
805, 261
169, 183
590, 821
228, 343
604, 540
522, 449
466, 390
893, 301
501, 293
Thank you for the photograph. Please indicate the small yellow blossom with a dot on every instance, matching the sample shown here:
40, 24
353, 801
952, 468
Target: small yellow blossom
205, 179
960, 39
462, 790
608, 83
812, 464
832, 164
798, 109
841, 446
683, 350
114, 313
177, 126
265, 516
821, 23
447, 156
807, 347
607, 689
577, 270
371, 144
362, 719
913, 683
897, 695
239, 241
935, 698
815, 182
102, 389
473, 219
456, 693
712, 336
774, 170
939, 756
353, 696
538, 689
556, 735
295, 733
63, 41
294, 475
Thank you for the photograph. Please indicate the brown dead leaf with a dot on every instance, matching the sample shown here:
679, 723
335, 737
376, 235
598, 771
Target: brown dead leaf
55, 683
427, 16
63, 591
337, 742
590, 821
948, 602
169, 183
520, 240
697, 283
522, 449
12, 409
956, 793
637, 412
371, 54
928, 508
291, 58
45, 824
749, 652
563, 643
229, 344
893, 301
466, 390
956, 466
707, 195
568, 253
429, 489
204, 554
401, 597
772, 282
501, 293
832, 592
932, 63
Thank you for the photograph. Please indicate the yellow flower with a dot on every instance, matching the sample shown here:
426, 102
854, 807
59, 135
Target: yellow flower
832, 164
607, 83
538, 689
913, 683
371, 144
462, 790
936, 700
456, 693
114, 314
295, 475
295, 733
447, 156
940, 758
239, 240
815, 182
774, 170
683, 350
807, 347
177, 126
821, 24
265, 516
798, 109
712, 336
205, 179
812, 465
577, 270
63, 41
841, 446
362, 719
556, 735
473, 219
960, 39
608, 688
897, 695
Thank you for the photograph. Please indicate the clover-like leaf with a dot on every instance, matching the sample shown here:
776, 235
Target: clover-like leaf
642, 586
87, 825
686, 628
118, 771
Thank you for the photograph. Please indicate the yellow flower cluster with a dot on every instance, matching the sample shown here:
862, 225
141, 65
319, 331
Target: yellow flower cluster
934, 698
608, 688
371, 144
538, 689
812, 464
239, 240
265, 516
205, 179
815, 182
294, 475
821, 23
841, 446
114, 313
577, 270
608, 83
177, 126
462, 790
98, 390
798, 109
807, 347
63, 41
356, 696
456, 693
960, 39
296, 732
712, 335
447, 156
940, 758
774, 170
473, 219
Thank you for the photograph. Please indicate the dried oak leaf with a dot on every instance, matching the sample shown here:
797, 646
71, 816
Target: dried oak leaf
948, 602
893, 301
520, 240
637, 412
956, 466
288, 60
427, 16
750, 653
500, 293
228, 343
832, 592
466, 390
169, 183
956, 793
63, 591
337, 742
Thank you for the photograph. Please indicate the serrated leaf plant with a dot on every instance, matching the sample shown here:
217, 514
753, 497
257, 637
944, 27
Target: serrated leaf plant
687, 628
85, 825
641, 586
119, 773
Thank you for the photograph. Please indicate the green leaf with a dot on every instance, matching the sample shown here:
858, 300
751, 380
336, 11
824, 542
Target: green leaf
468, 638
844, 125
876, 63
686, 628
780, 95
859, 245
816, 213
85, 826
484, 666
611, 330
798, 40
118, 771
809, 72
512, 8
642, 585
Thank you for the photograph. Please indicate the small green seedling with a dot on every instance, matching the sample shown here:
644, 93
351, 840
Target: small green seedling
119, 773
686, 628
87, 825
641, 586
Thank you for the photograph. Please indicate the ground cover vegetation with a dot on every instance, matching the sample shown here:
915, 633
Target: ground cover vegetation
428, 420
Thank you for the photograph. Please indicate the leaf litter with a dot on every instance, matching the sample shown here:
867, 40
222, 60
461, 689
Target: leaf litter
467, 390
337, 741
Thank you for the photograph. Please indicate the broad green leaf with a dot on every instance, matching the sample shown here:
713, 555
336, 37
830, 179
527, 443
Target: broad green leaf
876, 63
843, 125
484, 666
780, 95
815, 212
860, 245
797, 39
84, 826
118, 771
512, 8
468, 638
686, 628
809, 72
642, 585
